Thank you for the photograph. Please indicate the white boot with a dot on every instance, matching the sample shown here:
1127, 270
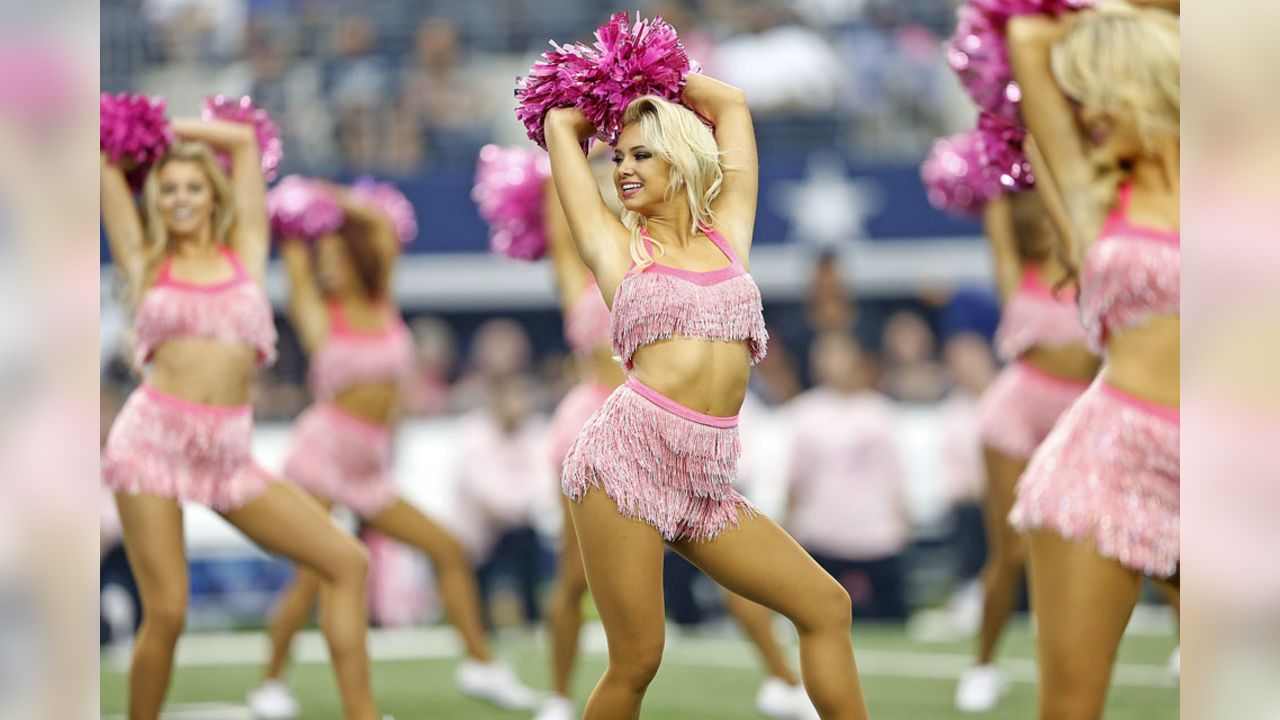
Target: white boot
980, 689
273, 700
493, 682
556, 707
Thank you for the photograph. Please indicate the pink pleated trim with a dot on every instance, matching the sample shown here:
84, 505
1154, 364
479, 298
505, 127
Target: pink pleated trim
652, 306
1019, 409
571, 415
175, 448
674, 474
350, 357
1125, 282
1108, 474
342, 458
234, 314
586, 324
1037, 320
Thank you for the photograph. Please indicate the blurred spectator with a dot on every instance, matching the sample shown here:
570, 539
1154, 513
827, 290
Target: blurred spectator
970, 367
829, 307
911, 370
783, 66
435, 353
504, 483
847, 488
197, 30
357, 84
699, 42
289, 86
443, 95
500, 348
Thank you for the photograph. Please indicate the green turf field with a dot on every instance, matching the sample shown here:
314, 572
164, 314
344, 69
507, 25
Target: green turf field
703, 677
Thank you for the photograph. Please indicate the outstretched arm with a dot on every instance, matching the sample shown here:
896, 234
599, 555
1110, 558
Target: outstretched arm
250, 237
123, 226
307, 312
571, 274
1063, 155
382, 234
596, 232
726, 107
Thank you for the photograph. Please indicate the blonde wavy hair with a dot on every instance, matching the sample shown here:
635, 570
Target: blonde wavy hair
676, 135
1125, 61
156, 240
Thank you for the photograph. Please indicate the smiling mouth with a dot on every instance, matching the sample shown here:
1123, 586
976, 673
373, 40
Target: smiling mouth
630, 188
183, 213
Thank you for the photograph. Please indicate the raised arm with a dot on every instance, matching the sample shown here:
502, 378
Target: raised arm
597, 234
1063, 155
726, 107
571, 274
997, 222
382, 234
123, 226
250, 237
306, 308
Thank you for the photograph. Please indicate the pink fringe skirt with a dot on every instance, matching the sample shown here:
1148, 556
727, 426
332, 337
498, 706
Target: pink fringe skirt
660, 462
1109, 474
167, 446
342, 458
1019, 409
571, 415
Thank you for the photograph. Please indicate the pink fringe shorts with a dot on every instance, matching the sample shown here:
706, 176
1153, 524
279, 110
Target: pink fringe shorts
1109, 473
342, 458
1019, 409
661, 462
167, 446
571, 416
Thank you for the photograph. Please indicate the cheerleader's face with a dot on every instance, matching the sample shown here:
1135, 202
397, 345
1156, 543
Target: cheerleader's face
335, 271
639, 175
185, 201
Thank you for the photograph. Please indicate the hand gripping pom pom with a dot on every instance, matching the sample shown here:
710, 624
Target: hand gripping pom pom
1000, 146
302, 208
508, 193
271, 147
392, 203
626, 62
954, 176
1001, 10
133, 129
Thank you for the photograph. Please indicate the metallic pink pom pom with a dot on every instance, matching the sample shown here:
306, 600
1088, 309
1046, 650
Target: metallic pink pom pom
978, 55
388, 198
301, 207
1002, 154
508, 193
1001, 10
626, 61
955, 178
221, 107
134, 129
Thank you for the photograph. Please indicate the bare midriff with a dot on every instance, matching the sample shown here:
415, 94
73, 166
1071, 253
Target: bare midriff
204, 370
706, 376
1144, 362
600, 367
377, 402
1069, 362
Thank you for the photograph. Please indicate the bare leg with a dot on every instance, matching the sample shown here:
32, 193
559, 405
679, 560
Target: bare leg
457, 579
761, 562
757, 621
285, 520
1082, 604
564, 620
292, 611
623, 563
1006, 556
153, 540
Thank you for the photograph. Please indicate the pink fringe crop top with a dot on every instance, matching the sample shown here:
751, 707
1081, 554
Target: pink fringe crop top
1038, 315
233, 311
350, 356
662, 302
1130, 275
586, 324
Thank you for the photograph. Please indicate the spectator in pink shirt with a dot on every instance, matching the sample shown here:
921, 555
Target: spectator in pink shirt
846, 497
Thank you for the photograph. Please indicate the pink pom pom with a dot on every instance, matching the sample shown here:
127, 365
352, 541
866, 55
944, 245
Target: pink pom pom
508, 192
1001, 10
978, 55
221, 107
955, 178
1003, 157
134, 129
626, 61
388, 198
300, 207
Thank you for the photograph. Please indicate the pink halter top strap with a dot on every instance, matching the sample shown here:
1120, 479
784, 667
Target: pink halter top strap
165, 276
1118, 222
701, 277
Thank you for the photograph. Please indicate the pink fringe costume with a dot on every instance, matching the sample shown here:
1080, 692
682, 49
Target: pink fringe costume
1020, 408
661, 462
1109, 471
586, 327
341, 457
165, 445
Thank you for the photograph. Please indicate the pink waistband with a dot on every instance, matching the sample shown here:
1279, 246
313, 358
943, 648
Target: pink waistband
1050, 377
191, 406
676, 408
1172, 414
